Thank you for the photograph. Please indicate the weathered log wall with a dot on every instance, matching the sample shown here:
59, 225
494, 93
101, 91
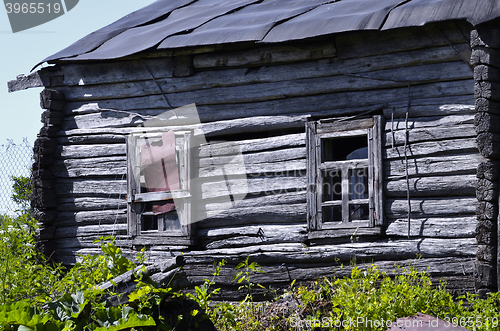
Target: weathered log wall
485, 44
260, 100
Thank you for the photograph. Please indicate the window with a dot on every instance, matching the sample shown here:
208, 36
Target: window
159, 195
344, 173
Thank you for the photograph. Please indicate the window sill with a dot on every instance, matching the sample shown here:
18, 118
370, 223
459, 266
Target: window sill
343, 233
164, 238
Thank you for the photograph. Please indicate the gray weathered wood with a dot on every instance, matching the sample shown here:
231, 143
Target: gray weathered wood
261, 104
438, 165
251, 200
92, 232
90, 203
250, 235
102, 166
116, 71
87, 151
99, 217
279, 214
298, 167
425, 122
432, 148
487, 122
273, 89
488, 56
487, 90
23, 82
93, 187
430, 54
457, 105
381, 249
456, 227
93, 139
431, 207
252, 145
251, 185
351, 45
266, 55
462, 185
431, 134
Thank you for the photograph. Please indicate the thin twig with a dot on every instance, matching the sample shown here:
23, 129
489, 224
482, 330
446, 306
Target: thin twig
406, 159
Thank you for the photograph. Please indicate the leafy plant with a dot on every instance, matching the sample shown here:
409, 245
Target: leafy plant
203, 294
245, 276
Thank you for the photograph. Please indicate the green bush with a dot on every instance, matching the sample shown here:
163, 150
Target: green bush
37, 295
366, 300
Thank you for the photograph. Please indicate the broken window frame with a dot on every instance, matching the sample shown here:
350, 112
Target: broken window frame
136, 201
316, 132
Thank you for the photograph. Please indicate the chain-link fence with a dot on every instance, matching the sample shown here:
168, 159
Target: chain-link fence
15, 160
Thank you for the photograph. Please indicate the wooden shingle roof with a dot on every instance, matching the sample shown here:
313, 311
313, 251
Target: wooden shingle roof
171, 24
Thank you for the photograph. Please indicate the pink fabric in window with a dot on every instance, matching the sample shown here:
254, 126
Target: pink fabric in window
160, 170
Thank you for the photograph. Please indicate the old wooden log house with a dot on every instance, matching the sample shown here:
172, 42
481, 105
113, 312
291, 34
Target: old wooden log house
341, 129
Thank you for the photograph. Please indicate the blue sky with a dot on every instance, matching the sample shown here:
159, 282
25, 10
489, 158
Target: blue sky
19, 52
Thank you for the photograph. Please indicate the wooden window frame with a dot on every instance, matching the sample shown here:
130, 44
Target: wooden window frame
135, 201
318, 130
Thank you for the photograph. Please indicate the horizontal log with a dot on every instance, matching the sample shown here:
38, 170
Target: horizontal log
251, 200
296, 167
378, 250
263, 230
455, 105
426, 122
431, 207
285, 272
283, 154
284, 101
88, 151
99, 166
344, 235
356, 44
69, 256
431, 54
441, 147
251, 185
23, 82
266, 123
265, 55
463, 185
252, 145
432, 166
456, 227
86, 146
278, 214
245, 89
171, 241
89, 242
90, 231
99, 217
431, 134
116, 71
91, 187
102, 138
251, 235
90, 203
